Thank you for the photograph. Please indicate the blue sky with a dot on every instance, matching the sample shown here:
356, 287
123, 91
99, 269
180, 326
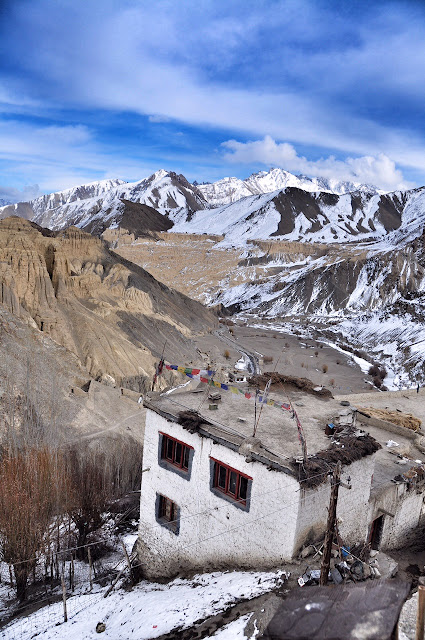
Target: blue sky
212, 88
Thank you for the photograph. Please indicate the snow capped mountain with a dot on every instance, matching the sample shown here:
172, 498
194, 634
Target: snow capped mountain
267, 204
310, 248
230, 190
100, 205
45, 205
293, 214
167, 192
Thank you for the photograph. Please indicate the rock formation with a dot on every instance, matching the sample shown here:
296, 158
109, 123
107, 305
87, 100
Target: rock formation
113, 315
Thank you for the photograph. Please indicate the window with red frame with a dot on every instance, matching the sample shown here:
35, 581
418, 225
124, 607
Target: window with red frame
175, 452
231, 482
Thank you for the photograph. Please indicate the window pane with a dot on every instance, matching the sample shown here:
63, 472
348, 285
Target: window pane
221, 478
161, 506
169, 510
178, 453
185, 458
170, 444
243, 488
232, 482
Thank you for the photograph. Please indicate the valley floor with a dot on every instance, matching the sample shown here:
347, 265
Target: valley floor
288, 354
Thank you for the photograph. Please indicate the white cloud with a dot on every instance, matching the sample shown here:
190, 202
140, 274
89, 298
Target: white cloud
60, 157
11, 195
139, 62
158, 119
377, 170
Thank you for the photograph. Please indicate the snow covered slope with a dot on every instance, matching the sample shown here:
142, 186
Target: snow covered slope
100, 205
52, 201
297, 215
231, 190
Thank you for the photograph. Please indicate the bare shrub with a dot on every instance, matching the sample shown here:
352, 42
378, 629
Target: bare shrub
89, 493
267, 359
377, 371
377, 382
226, 354
30, 481
338, 362
302, 364
325, 368
287, 345
332, 382
360, 354
97, 478
321, 346
316, 353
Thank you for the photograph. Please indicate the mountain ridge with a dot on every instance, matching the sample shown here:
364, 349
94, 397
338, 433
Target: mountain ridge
232, 189
99, 205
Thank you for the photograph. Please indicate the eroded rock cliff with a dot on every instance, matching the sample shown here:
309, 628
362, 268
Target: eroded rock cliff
113, 315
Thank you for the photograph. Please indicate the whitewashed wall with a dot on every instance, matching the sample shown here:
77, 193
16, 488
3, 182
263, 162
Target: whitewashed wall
213, 533
352, 506
407, 507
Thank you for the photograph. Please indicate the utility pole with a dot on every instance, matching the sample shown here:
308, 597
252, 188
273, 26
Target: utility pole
330, 527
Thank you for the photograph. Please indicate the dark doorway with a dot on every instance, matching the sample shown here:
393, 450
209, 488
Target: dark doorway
376, 532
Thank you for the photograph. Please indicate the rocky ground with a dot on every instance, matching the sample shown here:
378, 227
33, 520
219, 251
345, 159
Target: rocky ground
287, 354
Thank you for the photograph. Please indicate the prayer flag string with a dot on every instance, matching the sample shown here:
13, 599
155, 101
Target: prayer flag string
206, 376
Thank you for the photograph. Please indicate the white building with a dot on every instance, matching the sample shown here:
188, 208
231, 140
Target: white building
214, 497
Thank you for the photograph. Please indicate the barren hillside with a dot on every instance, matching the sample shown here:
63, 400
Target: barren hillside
113, 315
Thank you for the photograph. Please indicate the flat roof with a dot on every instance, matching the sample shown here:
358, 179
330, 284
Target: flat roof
396, 460
277, 443
233, 420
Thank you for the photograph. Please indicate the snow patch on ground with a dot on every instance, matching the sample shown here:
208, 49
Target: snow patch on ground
148, 611
242, 364
234, 630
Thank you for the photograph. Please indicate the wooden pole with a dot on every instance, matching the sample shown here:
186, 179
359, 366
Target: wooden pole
90, 569
65, 614
421, 614
130, 568
330, 527
114, 582
72, 571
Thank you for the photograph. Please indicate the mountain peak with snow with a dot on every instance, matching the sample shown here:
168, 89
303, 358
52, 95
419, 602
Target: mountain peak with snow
98, 205
230, 190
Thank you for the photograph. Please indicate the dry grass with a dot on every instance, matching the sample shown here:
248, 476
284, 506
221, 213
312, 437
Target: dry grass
314, 471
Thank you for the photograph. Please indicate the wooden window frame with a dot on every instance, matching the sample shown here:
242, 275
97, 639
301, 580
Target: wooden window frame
235, 497
185, 457
164, 502
168, 513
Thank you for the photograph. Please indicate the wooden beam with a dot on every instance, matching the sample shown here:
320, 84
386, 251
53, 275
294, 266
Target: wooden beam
330, 527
